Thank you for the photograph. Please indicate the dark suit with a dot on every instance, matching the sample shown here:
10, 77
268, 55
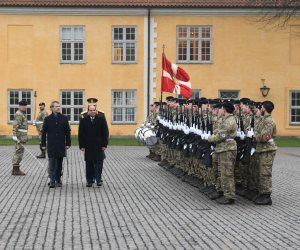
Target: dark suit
56, 133
92, 136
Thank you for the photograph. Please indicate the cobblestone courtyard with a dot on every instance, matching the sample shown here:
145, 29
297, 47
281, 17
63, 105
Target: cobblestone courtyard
140, 206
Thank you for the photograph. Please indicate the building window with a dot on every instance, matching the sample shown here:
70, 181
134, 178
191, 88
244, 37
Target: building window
72, 104
14, 96
196, 93
295, 107
123, 106
72, 44
124, 45
229, 94
194, 44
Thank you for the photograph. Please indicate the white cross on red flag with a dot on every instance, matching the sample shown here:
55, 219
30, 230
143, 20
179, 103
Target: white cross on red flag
175, 79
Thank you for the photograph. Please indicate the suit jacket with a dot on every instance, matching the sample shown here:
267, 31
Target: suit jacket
56, 133
93, 136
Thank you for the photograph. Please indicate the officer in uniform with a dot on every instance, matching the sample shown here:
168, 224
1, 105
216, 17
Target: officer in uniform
20, 126
38, 123
93, 102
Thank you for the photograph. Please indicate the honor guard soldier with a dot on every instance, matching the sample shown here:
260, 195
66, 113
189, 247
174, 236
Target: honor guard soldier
20, 126
38, 123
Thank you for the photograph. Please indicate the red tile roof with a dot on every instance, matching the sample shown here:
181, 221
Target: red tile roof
141, 3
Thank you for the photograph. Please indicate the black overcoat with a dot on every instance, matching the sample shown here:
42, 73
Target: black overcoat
93, 136
56, 133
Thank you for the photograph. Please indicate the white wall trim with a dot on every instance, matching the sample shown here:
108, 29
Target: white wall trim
145, 66
69, 11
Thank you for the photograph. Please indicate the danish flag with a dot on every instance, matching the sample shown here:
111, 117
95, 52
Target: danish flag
174, 79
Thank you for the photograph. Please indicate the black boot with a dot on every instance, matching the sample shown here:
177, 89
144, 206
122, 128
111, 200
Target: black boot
263, 199
225, 201
215, 195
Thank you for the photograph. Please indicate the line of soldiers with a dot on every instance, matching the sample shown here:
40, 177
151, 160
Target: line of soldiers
223, 147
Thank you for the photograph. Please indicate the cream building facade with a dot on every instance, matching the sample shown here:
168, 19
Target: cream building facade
114, 54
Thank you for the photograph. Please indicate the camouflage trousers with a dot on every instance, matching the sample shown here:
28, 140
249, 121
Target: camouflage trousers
18, 155
227, 164
253, 173
214, 173
265, 163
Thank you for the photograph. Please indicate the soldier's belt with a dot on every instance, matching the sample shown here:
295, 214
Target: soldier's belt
22, 130
39, 122
229, 139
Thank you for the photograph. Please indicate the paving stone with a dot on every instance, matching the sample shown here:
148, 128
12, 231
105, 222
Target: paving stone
139, 206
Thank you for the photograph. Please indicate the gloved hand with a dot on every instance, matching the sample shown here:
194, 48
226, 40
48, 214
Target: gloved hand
15, 138
252, 151
250, 133
242, 136
238, 134
33, 122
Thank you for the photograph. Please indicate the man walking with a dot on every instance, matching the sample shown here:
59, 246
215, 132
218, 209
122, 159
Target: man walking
56, 134
20, 126
93, 139
38, 123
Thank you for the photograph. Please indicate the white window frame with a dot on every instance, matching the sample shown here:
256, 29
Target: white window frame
293, 107
189, 39
227, 90
72, 41
29, 106
72, 106
124, 41
123, 106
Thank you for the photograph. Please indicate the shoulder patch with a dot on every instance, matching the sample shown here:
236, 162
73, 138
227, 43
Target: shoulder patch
267, 136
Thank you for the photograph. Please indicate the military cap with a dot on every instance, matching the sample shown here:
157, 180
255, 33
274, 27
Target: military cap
92, 100
228, 106
244, 100
257, 105
42, 104
181, 101
236, 102
22, 103
268, 105
170, 98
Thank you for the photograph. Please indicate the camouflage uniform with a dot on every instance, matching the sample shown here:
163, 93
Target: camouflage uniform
266, 150
226, 148
39, 126
20, 126
39, 122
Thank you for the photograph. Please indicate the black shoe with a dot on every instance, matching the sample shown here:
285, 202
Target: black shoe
99, 184
41, 156
89, 184
52, 185
225, 201
58, 184
215, 195
263, 199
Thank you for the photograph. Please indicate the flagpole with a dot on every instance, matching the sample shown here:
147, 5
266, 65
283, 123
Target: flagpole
163, 54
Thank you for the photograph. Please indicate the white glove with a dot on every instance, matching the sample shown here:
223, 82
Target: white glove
238, 134
242, 136
252, 151
250, 133
15, 138
33, 123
